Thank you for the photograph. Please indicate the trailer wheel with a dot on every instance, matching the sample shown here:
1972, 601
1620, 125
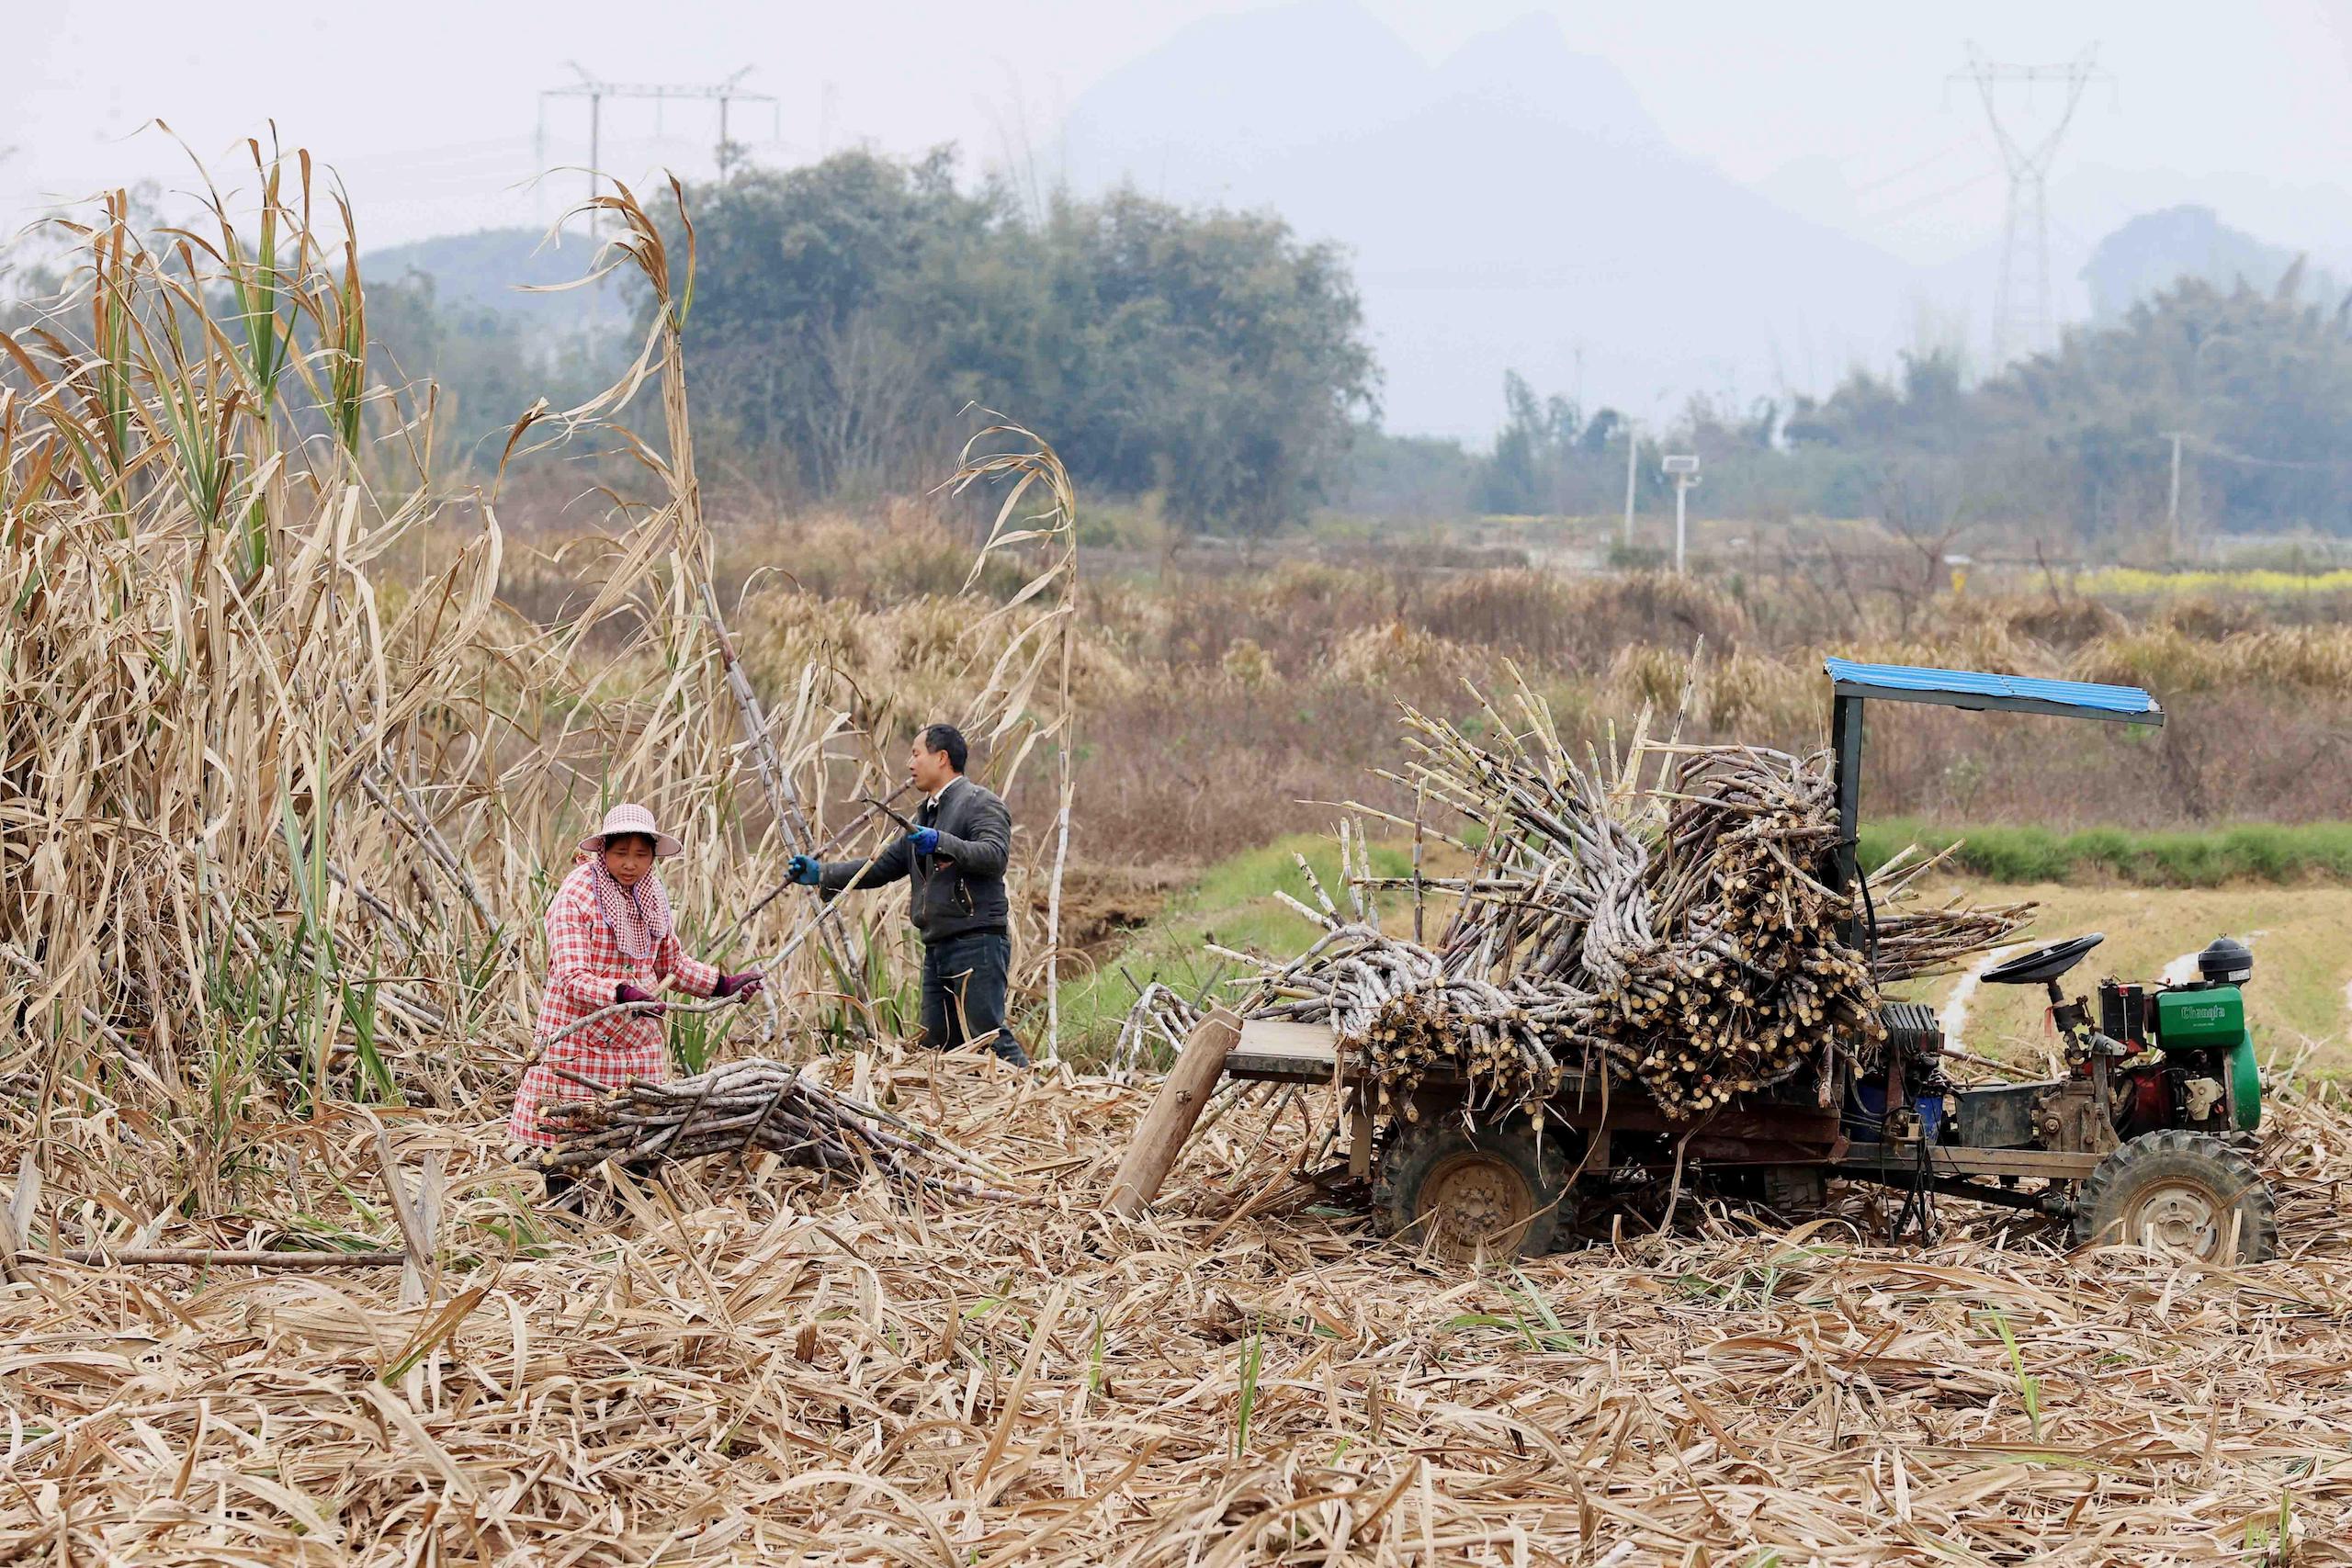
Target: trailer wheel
2186, 1192
1466, 1194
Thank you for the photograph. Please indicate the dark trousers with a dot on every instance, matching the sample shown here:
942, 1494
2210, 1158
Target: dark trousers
964, 981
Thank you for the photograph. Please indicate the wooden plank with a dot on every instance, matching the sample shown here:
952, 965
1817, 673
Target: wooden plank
1277, 1051
1183, 1095
1631, 1110
1944, 1160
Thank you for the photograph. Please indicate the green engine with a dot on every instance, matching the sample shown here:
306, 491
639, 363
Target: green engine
2200, 1028
2205, 1018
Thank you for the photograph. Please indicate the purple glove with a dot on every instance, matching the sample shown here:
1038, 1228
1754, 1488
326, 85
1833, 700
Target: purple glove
746, 983
628, 993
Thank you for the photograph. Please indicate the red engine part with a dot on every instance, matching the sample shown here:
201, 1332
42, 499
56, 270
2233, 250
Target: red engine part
2142, 1102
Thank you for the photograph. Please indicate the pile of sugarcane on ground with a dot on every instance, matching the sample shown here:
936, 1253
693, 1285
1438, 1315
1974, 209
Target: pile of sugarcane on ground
744, 1107
1662, 915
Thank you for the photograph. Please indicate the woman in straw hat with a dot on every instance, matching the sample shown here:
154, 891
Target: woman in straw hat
610, 940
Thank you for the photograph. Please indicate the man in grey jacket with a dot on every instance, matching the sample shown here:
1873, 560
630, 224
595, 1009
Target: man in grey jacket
956, 858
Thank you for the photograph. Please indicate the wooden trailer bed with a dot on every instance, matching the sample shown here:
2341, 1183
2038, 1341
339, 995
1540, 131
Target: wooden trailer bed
1791, 1137
1271, 1050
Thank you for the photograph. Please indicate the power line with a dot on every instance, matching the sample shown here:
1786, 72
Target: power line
724, 94
1909, 169
2207, 448
1932, 197
2023, 319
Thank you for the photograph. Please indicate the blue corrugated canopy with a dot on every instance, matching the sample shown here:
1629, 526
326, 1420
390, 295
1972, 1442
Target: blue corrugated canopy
1976, 689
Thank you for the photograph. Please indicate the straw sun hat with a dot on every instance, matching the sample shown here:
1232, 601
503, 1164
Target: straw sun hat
629, 817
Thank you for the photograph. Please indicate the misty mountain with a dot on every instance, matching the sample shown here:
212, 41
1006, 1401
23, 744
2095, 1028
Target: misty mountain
2156, 250
487, 271
1512, 207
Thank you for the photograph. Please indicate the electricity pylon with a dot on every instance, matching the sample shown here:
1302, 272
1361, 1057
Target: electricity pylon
724, 94
2022, 318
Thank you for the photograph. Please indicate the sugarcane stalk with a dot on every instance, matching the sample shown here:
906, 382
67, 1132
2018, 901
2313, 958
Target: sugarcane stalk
757, 1104
1666, 924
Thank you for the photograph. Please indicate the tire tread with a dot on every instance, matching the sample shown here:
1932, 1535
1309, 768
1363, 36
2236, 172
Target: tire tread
1413, 1148
2097, 1204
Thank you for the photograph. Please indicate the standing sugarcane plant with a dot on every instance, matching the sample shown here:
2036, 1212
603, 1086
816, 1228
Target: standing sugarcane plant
278, 825
197, 668
1048, 642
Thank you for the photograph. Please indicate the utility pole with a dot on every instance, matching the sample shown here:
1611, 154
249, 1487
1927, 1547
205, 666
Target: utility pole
1633, 449
2172, 509
596, 91
1684, 471
595, 141
2022, 322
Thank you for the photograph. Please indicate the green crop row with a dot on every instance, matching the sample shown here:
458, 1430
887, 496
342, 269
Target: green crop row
2252, 852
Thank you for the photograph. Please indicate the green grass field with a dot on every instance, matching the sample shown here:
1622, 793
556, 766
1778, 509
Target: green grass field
1233, 905
2303, 960
2253, 851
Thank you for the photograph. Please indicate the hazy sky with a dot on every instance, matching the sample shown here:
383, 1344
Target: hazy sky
1839, 107
1844, 112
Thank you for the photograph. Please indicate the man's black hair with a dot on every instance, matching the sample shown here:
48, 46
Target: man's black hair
948, 739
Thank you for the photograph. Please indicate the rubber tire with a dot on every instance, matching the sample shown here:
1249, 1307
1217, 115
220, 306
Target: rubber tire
1413, 1150
2118, 1183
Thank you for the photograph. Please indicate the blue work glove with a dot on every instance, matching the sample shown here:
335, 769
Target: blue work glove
924, 841
803, 869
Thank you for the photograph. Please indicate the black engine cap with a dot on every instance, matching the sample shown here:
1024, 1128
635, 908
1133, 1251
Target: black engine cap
2226, 961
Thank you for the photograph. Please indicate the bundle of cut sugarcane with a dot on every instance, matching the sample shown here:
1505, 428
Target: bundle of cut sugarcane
1410, 1014
757, 1104
1661, 913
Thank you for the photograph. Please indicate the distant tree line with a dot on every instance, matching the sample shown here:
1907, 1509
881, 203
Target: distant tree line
850, 316
2257, 382
486, 365
846, 313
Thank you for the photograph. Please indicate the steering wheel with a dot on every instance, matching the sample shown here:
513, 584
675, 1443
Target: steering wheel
2042, 962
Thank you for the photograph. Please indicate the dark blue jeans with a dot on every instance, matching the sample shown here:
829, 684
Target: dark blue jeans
964, 982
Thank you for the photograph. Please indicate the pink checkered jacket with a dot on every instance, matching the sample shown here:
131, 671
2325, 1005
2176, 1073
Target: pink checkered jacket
584, 964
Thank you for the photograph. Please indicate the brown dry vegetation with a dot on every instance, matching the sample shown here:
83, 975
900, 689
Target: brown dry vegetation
760, 1369
1223, 700
284, 787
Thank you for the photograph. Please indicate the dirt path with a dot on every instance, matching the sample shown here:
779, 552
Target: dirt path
1953, 1014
